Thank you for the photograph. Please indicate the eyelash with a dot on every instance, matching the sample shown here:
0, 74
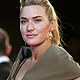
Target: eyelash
23, 21
37, 20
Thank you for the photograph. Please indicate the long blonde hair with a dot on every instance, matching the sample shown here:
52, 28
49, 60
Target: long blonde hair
51, 15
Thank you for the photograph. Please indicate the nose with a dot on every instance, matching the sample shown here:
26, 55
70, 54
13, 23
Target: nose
30, 27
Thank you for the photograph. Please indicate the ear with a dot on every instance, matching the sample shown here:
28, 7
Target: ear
8, 50
53, 23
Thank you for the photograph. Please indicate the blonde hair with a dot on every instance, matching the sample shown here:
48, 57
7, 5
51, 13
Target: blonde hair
51, 15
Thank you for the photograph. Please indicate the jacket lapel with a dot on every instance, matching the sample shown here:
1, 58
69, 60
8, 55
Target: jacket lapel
24, 53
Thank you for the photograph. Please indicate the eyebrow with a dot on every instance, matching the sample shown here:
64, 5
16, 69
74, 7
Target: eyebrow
32, 17
36, 17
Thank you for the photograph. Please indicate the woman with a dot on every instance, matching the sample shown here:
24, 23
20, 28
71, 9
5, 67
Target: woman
44, 60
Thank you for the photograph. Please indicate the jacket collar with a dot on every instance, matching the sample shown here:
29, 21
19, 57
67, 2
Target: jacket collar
24, 53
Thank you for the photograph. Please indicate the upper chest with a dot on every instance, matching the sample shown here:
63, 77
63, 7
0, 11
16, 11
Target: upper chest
24, 68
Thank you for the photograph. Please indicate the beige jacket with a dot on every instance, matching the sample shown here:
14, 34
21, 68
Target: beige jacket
54, 64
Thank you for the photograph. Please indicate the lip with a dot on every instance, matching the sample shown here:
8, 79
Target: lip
31, 35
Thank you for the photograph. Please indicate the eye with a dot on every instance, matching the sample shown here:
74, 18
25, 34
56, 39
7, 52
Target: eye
37, 20
23, 21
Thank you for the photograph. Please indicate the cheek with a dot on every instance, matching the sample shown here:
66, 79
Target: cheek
22, 29
23, 33
43, 31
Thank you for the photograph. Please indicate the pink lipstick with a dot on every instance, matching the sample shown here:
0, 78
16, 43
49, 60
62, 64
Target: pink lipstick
31, 35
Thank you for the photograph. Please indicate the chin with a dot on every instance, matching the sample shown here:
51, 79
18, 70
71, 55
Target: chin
31, 43
34, 42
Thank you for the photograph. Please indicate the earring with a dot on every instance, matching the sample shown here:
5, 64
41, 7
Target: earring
50, 35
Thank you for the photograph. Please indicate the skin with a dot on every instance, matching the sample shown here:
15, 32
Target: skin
34, 27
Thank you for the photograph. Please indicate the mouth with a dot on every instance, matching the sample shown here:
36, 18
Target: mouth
30, 36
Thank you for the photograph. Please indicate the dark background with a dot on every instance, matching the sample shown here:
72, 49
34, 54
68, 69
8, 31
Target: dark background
68, 12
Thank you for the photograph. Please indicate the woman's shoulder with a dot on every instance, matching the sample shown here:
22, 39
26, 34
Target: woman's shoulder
61, 53
58, 50
65, 60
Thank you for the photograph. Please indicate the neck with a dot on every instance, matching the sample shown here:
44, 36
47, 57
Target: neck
38, 50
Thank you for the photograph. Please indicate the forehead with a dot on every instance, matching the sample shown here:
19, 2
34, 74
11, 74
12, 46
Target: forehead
33, 10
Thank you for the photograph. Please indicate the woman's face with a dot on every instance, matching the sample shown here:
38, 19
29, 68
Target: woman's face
34, 25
